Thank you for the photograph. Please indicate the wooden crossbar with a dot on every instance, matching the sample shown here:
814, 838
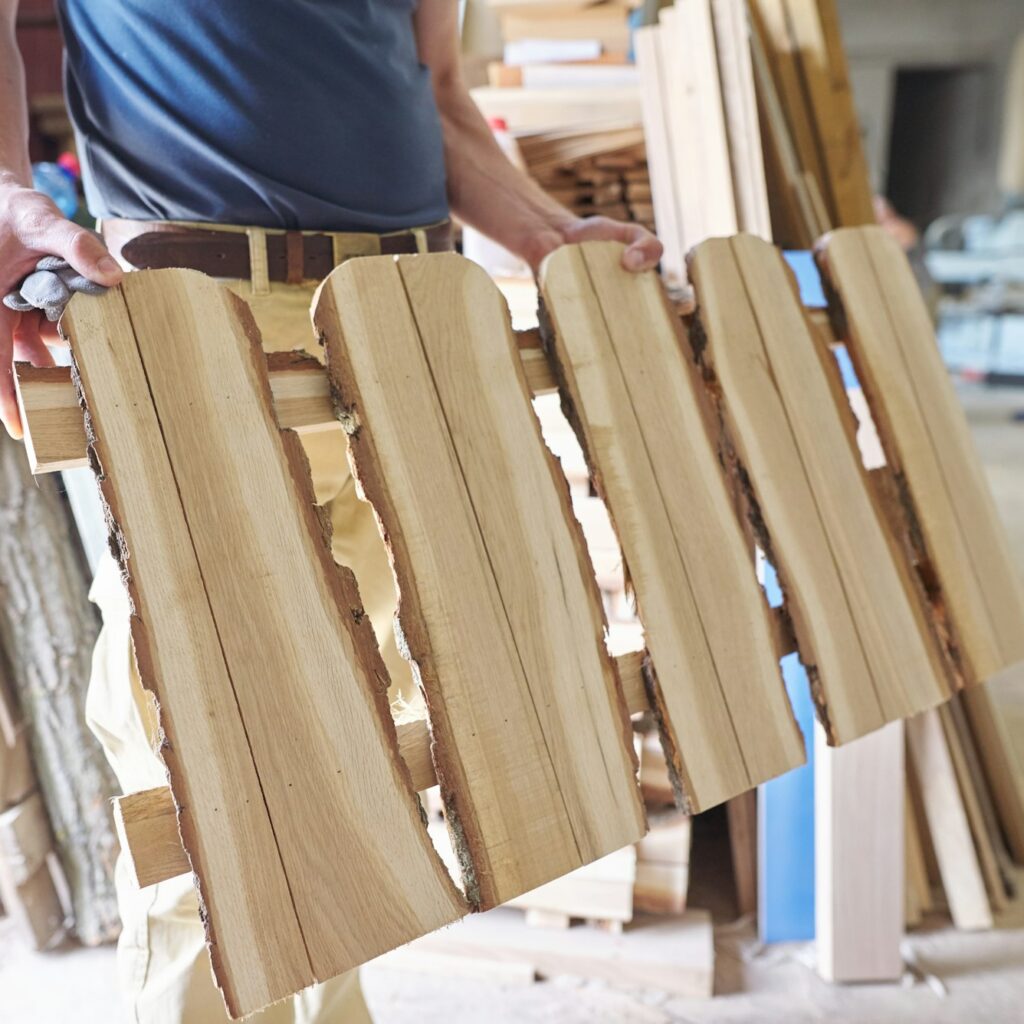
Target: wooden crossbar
55, 432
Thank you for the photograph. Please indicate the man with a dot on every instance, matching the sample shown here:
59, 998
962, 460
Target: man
261, 143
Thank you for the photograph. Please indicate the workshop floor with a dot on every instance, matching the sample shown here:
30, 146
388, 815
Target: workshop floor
968, 977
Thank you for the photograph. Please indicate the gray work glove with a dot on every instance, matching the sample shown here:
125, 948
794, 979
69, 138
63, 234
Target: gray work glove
49, 288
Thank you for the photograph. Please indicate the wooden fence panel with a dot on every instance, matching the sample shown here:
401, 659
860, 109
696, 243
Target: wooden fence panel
635, 400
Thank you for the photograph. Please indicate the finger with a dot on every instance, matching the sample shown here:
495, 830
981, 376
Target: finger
49, 332
28, 345
643, 253
9, 415
81, 248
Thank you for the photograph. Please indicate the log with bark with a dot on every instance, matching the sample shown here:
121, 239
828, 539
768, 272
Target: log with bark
48, 629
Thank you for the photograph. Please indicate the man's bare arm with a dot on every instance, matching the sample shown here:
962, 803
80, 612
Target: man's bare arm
485, 190
31, 226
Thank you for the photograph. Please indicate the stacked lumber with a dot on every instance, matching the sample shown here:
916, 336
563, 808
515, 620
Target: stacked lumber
612, 181
29, 870
700, 120
817, 171
578, 33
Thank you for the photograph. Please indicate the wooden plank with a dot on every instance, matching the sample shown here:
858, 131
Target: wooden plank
623, 361
231, 686
742, 815
648, 44
860, 856
950, 832
740, 107
234, 855
55, 432
983, 840
25, 838
446, 447
818, 49
926, 438
858, 610
771, 22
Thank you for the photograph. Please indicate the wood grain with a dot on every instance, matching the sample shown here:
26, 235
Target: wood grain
271, 718
498, 608
633, 397
859, 612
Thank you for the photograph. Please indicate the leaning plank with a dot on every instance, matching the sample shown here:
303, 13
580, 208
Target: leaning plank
271, 718
818, 46
858, 610
950, 832
498, 608
633, 398
737, 86
648, 44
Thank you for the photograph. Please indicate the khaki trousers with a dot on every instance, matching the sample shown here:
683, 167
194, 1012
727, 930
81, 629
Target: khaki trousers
164, 971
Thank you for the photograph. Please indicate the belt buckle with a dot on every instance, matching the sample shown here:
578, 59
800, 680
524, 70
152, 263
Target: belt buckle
347, 244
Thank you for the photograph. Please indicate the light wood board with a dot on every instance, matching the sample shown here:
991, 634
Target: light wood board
633, 396
860, 856
943, 807
927, 441
859, 612
498, 607
277, 725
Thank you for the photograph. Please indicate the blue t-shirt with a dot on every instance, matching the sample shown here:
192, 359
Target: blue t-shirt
313, 114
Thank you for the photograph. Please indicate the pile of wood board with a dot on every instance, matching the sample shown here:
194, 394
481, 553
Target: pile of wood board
612, 182
701, 125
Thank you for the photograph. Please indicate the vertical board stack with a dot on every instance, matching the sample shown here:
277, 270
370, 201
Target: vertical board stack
701, 124
817, 171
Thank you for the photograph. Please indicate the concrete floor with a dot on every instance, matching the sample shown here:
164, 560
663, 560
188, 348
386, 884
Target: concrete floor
976, 977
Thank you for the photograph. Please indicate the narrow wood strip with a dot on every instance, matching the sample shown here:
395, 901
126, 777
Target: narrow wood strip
636, 405
308, 678
950, 833
498, 609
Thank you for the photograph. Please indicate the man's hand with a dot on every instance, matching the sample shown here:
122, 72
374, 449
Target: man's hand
31, 226
642, 252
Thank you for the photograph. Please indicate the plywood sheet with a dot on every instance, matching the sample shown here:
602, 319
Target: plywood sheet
859, 612
633, 395
279, 742
498, 607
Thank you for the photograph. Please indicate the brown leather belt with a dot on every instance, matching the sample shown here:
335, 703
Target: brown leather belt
292, 256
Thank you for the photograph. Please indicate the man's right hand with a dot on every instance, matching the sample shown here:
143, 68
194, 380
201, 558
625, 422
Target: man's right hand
31, 227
